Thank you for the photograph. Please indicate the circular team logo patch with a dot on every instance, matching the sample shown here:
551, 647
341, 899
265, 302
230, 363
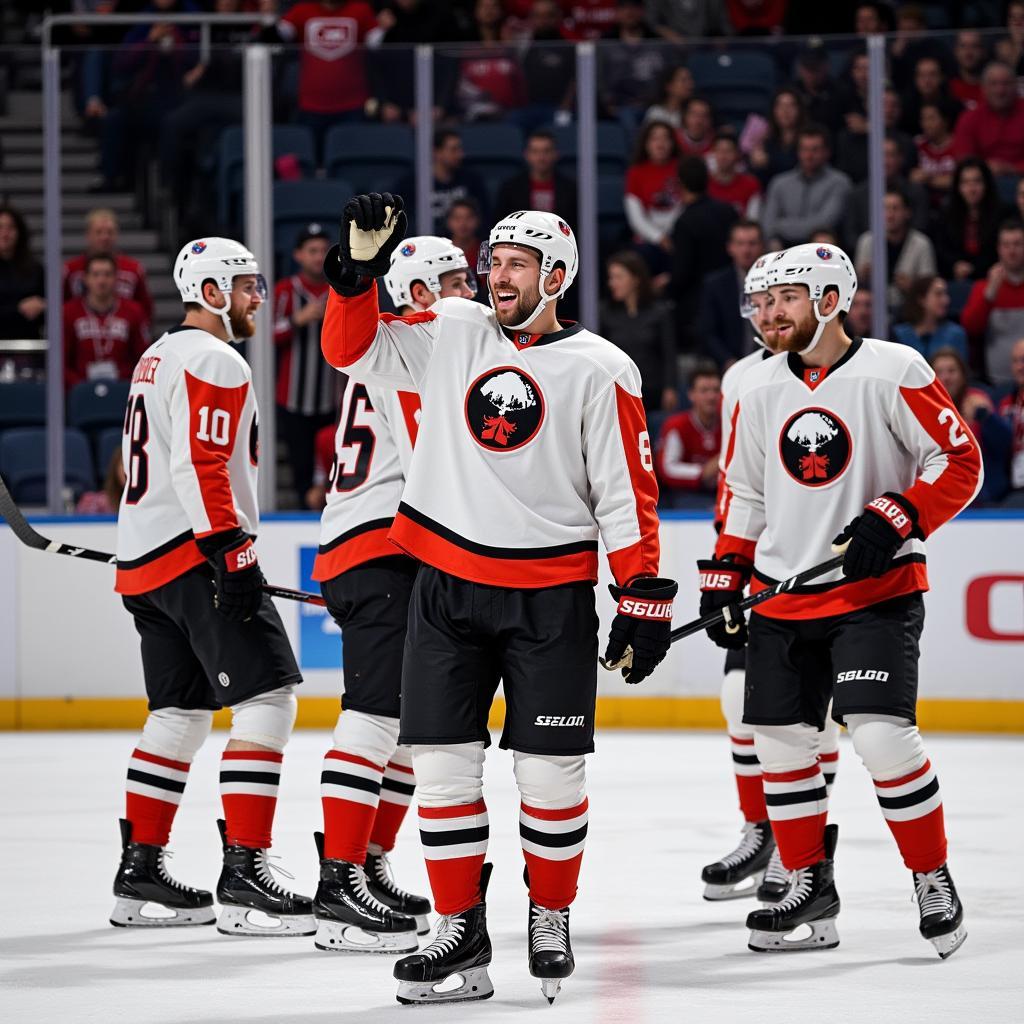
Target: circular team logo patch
504, 409
815, 447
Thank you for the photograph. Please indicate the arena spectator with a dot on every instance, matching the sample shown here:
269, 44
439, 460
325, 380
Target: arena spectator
590, 19
910, 252
966, 227
812, 195
1010, 49
869, 19
489, 81
693, 19
994, 130
1011, 408
653, 194
852, 146
729, 182
549, 67
930, 87
699, 240
725, 335
463, 228
323, 462
991, 430
22, 288
824, 236
969, 51
927, 327
101, 236
307, 388
912, 43
107, 501
819, 94
634, 320
858, 320
630, 62
104, 335
853, 95
675, 90
772, 149
540, 186
1018, 196
451, 181
994, 311
698, 131
935, 160
690, 443
755, 17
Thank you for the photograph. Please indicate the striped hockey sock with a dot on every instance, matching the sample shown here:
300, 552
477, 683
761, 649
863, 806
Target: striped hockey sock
829, 762
154, 789
396, 791
553, 841
349, 791
454, 845
912, 806
749, 782
248, 791
797, 805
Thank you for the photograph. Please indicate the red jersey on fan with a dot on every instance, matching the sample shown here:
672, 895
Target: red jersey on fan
591, 19
1011, 408
655, 185
332, 75
102, 346
684, 448
738, 193
131, 281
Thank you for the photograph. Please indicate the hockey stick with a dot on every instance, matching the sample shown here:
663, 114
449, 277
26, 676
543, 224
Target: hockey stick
713, 618
24, 531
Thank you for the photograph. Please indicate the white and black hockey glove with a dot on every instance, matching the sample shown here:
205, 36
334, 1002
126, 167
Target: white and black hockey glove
721, 589
876, 535
372, 225
236, 573
641, 630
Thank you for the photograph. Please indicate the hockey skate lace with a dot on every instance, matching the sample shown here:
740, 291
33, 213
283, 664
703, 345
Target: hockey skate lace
447, 937
166, 875
775, 873
382, 872
264, 866
802, 884
549, 931
933, 892
358, 875
749, 845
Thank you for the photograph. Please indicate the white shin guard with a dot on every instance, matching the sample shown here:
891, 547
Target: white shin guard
266, 719
550, 780
175, 733
448, 775
786, 748
889, 747
371, 736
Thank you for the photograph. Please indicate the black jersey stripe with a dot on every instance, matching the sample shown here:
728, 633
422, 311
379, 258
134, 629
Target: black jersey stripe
356, 531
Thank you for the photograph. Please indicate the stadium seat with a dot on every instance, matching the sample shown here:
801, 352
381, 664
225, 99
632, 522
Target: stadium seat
108, 442
94, 404
23, 464
371, 157
494, 149
736, 82
612, 226
612, 148
958, 293
296, 204
22, 404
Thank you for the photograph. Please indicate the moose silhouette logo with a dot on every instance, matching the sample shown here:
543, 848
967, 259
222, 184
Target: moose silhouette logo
815, 447
504, 409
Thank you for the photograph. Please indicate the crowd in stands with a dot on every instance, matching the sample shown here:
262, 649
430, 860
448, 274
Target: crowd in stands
703, 182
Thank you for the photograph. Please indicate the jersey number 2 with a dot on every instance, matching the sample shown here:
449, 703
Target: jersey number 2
353, 472
136, 426
956, 436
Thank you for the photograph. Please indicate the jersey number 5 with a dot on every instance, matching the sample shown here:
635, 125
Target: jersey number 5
956, 436
136, 427
356, 448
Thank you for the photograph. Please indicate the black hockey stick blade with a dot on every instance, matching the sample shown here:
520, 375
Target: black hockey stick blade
714, 618
28, 535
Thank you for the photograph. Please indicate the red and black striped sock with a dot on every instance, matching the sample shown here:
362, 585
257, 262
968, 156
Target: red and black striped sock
154, 788
248, 791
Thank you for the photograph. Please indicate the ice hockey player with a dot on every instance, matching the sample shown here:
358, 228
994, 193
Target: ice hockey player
188, 573
756, 858
842, 442
531, 443
367, 781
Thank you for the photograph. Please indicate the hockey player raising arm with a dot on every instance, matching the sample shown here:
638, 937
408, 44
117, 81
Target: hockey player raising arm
841, 440
188, 573
532, 441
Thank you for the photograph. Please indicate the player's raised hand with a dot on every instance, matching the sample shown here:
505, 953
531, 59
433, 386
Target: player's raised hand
372, 225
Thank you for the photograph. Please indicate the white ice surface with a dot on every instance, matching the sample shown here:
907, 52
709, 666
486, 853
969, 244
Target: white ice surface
648, 947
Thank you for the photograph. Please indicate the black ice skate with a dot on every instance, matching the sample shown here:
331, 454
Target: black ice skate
777, 880
349, 917
382, 887
723, 879
942, 913
252, 902
551, 957
812, 901
460, 950
147, 896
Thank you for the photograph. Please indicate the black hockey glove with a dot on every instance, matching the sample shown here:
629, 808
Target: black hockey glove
721, 588
372, 225
641, 627
236, 573
876, 535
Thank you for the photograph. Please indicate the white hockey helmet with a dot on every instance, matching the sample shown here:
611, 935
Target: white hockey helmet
549, 237
220, 260
424, 258
818, 266
755, 282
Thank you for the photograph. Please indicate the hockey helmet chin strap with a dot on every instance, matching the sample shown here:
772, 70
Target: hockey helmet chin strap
483, 266
822, 321
224, 312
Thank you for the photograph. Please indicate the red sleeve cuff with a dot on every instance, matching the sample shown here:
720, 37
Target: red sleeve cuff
739, 547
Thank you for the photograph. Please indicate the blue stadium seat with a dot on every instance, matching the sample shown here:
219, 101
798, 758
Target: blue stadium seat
494, 149
958, 293
736, 82
371, 157
612, 148
22, 404
296, 204
108, 442
612, 226
94, 404
23, 463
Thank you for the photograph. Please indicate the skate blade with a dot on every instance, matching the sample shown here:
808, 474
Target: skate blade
129, 913
947, 945
716, 893
422, 924
335, 937
460, 987
823, 936
247, 921
550, 987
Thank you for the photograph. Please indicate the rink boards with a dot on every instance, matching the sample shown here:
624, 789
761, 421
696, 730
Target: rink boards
70, 653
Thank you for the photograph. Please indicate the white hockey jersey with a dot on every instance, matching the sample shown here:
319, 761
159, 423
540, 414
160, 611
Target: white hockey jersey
190, 447
527, 447
812, 446
372, 452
